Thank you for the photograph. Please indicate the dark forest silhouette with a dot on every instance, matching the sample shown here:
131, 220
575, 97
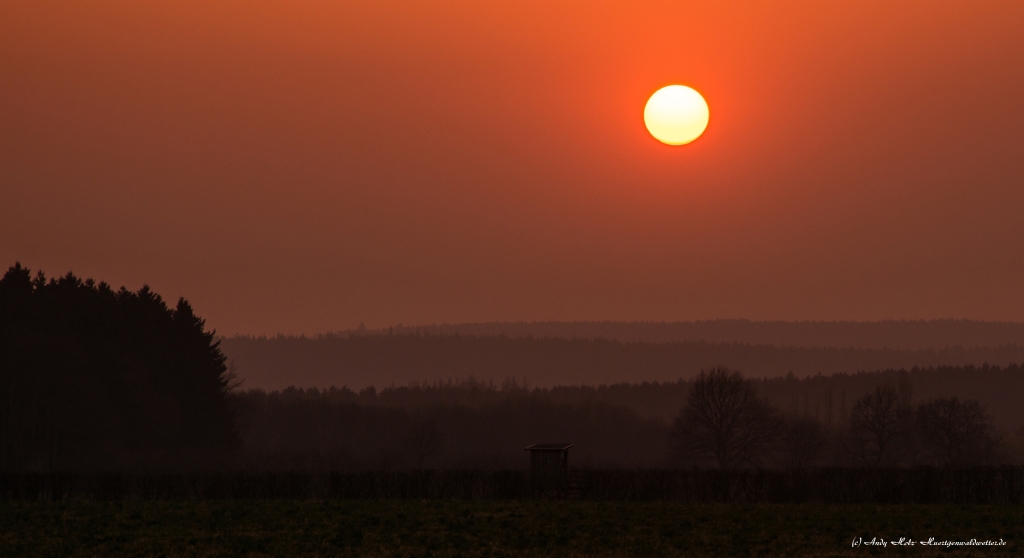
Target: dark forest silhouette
93, 378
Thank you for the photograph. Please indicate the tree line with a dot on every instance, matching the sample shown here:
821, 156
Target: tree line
726, 423
360, 360
470, 426
887, 334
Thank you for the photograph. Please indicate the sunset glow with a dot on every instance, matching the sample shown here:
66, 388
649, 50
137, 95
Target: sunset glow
317, 258
676, 115
449, 161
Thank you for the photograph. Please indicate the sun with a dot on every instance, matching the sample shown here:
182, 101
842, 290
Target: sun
676, 115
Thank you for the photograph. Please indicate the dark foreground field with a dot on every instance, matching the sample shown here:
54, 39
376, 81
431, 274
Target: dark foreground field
494, 528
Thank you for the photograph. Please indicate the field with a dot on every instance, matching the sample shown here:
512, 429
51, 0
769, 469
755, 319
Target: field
492, 528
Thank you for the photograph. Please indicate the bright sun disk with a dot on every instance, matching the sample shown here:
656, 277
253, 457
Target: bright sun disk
676, 115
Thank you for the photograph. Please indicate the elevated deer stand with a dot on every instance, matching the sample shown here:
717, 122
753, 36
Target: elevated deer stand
549, 469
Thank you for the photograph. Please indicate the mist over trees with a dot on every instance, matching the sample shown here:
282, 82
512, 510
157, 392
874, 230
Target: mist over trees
93, 378
726, 422
721, 420
466, 425
361, 360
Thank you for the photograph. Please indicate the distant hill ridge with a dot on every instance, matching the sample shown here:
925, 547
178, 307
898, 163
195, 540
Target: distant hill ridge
888, 334
377, 359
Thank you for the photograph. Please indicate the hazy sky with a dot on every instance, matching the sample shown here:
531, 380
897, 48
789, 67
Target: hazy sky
301, 166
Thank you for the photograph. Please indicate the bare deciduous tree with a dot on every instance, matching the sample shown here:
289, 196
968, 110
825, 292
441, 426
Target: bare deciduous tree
878, 422
957, 432
724, 421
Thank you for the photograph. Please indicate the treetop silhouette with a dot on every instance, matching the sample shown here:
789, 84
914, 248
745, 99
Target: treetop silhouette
101, 379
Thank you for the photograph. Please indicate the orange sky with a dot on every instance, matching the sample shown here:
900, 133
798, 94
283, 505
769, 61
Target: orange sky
301, 166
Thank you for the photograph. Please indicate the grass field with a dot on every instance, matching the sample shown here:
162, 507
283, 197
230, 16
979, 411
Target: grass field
493, 528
